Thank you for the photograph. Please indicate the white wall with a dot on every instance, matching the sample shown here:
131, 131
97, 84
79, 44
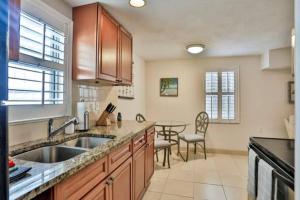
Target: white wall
297, 87
130, 107
263, 98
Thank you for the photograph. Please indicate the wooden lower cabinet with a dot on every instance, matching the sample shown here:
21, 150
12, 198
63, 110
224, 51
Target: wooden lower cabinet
121, 182
139, 159
81, 183
100, 192
119, 176
149, 162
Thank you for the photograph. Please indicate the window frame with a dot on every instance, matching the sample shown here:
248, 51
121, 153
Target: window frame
53, 18
219, 93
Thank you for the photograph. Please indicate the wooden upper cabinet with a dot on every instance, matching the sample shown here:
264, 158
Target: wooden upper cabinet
102, 49
108, 32
85, 59
14, 29
125, 57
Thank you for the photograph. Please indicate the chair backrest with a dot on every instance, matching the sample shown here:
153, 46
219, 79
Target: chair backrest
201, 123
140, 118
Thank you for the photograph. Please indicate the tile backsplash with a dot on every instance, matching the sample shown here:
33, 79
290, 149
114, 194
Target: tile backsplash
96, 98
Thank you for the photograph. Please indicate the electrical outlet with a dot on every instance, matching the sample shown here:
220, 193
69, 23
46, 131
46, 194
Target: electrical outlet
97, 106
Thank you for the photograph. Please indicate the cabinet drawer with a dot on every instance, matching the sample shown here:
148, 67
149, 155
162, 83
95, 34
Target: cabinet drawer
82, 182
117, 157
100, 192
138, 142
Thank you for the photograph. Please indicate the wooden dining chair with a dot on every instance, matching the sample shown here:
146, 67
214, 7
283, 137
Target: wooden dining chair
201, 125
159, 144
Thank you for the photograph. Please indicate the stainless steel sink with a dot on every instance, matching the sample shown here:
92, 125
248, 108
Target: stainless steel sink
87, 142
50, 154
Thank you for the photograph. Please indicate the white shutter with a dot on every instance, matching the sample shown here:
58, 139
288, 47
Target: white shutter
221, 101
211, 88
37, 84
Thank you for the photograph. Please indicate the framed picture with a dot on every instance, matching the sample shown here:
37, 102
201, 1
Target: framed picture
291, 92
169, 87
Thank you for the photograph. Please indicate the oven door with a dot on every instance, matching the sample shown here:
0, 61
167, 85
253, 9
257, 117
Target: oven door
284, 190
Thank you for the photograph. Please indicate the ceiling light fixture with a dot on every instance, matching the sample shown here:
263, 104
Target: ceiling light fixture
137, 3
195, 48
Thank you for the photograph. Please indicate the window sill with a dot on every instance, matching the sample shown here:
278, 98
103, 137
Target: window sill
224, 122
36, 120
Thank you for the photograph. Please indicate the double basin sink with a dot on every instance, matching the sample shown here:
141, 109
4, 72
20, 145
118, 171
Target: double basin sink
62, 152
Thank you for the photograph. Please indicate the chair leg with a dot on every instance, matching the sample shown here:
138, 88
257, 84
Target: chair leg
195, 148
178, 145
170, 142
187, 152
164, 162
156, 153
204, 150
169, 149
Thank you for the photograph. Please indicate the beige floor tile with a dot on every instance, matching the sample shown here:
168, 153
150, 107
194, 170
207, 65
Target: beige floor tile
181, 188
161, 173
174, 197
242, 164
204, 165
152, 196
234, 180
208, 192
209, 177
234, 193
157, 185
182, 175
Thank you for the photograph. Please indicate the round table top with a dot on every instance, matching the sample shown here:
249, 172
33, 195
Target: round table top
171, 123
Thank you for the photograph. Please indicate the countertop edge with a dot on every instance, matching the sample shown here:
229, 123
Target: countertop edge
79, 166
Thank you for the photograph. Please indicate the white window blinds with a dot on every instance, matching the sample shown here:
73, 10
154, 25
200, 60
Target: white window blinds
30, 83
221, 95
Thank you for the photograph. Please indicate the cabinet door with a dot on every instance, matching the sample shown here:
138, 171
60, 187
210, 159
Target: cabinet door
149, 162
100, 192
150, 154
121, 182
125, 56
139, 172
81, 183
108, 46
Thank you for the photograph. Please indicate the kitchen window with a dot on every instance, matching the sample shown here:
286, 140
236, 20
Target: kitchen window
222, 96
39, 83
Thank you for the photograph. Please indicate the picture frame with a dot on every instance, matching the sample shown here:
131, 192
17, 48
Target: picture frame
168, 87
291, 92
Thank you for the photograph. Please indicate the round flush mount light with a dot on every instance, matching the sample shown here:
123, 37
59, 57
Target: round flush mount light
195, 48
137, 3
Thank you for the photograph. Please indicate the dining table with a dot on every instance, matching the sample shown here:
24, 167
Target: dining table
169, 129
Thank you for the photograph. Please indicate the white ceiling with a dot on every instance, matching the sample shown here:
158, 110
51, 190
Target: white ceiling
163, 28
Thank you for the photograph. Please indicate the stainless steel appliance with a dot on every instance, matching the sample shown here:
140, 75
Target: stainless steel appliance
279, 154
3, 97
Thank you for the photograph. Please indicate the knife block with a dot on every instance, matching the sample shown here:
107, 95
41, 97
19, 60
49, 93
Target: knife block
104, 119
112, 118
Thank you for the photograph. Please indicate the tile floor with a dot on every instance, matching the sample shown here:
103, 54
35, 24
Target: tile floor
220, 177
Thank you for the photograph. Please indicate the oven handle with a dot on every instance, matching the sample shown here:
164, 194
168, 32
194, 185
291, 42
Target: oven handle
260, 155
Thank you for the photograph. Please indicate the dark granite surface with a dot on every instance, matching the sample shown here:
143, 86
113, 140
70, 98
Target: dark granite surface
281, 151
44, 176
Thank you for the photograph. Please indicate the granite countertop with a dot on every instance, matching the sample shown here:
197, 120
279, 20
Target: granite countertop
43, 176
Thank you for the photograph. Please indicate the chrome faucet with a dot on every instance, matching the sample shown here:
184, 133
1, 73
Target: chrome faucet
52, 132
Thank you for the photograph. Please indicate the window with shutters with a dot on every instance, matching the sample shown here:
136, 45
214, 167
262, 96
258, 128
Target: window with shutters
43, 83
39, 83
222, 96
